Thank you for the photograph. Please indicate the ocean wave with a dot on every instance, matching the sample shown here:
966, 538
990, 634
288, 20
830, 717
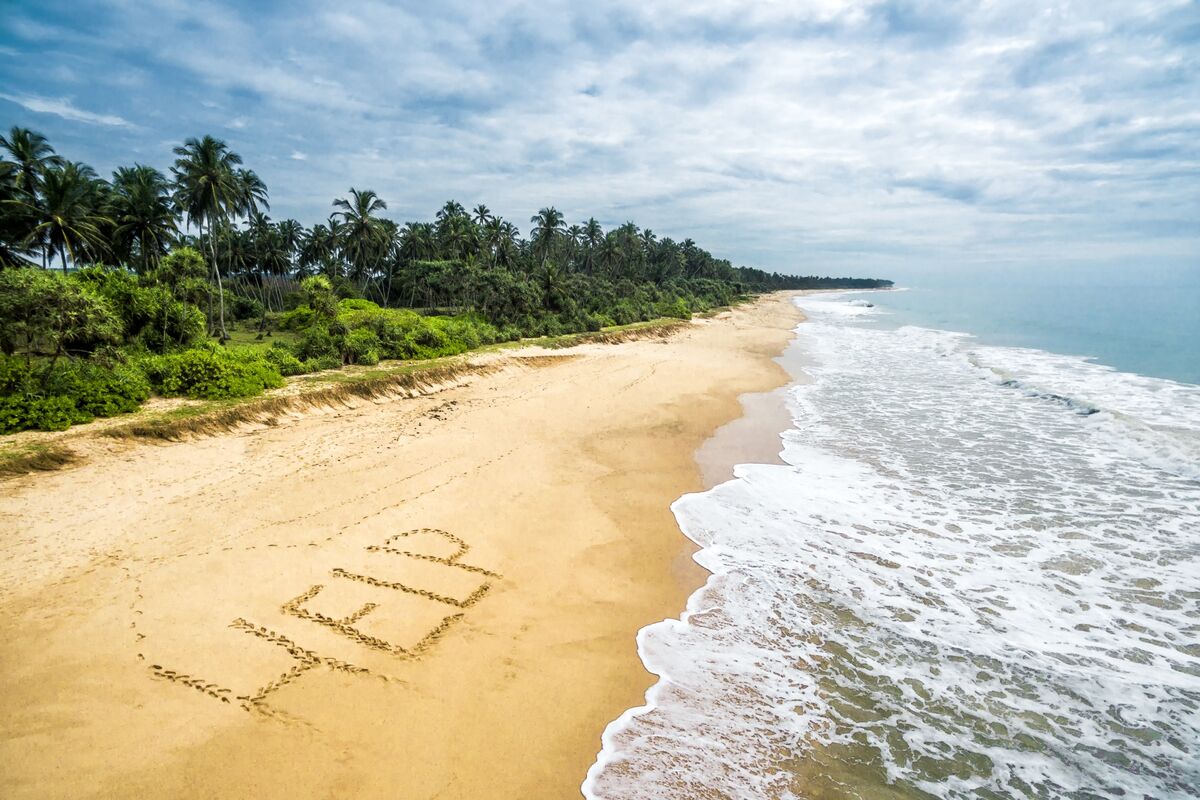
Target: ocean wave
975, 577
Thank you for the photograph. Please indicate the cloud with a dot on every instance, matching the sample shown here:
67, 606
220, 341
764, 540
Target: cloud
823, 134
961, 191
63, 107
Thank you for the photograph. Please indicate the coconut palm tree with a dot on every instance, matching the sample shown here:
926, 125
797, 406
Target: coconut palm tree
611, 253
144, 215
362, 232
32, 154
318, 248
68, 218
450, 210
593, 234
548, 225
507, 248
291, 233
251, 193
458, 237
417, 241
14, 226
208, 190
483, 215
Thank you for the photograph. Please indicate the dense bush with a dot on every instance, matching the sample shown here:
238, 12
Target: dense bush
243, 307
44, 312
211, 373
285, 360
148, 313
102, 390
361, 346
299, 318
54, 395
19, 413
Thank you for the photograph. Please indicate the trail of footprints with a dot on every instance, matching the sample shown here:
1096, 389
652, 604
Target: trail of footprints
308, 659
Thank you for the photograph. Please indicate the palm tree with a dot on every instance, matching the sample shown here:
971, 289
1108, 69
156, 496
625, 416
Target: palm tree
362, 232
458, 236
291, 233
593, 234
69, 218
251, 193
648, 241
143, 214
318, 248
14, 225
33, 156
548, 225
483, 215
507, 249
611, 253
417, 241
450, 210
208, 190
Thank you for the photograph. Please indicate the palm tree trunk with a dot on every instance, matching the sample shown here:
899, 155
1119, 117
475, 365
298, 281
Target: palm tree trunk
212, 246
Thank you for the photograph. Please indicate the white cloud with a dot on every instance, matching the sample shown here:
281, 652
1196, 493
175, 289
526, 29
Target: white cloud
782, 134
63, 107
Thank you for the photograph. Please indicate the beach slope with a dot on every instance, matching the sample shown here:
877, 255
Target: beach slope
432, 597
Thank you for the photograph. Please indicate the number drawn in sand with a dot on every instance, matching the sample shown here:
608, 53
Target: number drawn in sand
402, 608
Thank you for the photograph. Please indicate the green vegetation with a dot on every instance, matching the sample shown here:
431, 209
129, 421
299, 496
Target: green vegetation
204, 296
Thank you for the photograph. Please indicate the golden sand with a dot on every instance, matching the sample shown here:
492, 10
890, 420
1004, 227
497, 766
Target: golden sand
433, 597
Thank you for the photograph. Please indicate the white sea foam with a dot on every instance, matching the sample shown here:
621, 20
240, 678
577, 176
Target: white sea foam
977, 577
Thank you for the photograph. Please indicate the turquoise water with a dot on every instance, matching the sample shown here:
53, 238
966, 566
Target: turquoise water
976, 573
1145, 321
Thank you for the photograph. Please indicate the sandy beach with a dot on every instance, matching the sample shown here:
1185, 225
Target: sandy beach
432, 597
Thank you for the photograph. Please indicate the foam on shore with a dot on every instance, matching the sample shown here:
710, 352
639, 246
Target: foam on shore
974, 577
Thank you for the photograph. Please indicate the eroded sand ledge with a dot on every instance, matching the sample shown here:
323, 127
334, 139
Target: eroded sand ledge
261, 614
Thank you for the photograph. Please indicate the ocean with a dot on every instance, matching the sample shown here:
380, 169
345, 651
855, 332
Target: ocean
977, 574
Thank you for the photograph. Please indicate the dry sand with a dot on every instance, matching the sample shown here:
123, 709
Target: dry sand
423, 598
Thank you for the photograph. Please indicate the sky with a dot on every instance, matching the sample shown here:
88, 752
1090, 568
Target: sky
815, 136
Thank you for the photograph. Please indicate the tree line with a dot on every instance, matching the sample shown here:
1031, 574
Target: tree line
113, 290
58, 212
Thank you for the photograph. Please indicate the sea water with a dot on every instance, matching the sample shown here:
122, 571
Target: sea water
977, 576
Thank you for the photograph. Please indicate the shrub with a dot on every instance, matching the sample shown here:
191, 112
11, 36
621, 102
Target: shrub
322, 363
174, 326
624, 313
285, 360
43, 311
24, 412
211, 374
16, 376
361, 346
678, 309
244, 307
316, 342
320, 297
53, 396
297, 319
152, 315
356, 304
103, 391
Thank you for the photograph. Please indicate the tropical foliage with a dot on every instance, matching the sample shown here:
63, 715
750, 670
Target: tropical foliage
192, 253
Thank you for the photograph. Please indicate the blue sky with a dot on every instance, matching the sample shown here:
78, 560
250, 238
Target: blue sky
820, 136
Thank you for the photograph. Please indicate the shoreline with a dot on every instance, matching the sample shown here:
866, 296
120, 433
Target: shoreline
204, 558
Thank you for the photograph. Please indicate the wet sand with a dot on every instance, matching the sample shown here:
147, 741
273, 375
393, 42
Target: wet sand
432, 597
